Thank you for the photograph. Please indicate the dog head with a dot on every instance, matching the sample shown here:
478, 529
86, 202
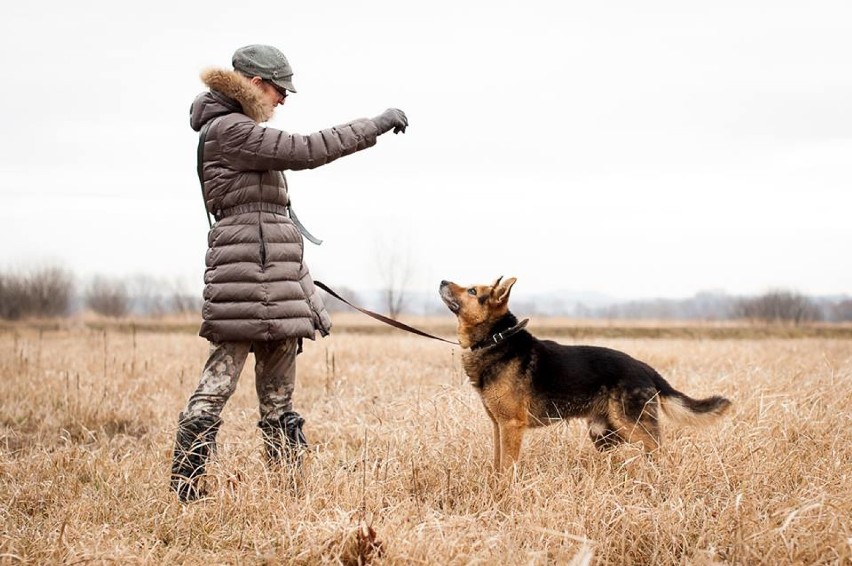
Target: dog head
477, 307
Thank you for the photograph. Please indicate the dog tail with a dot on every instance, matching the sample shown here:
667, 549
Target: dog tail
684, 410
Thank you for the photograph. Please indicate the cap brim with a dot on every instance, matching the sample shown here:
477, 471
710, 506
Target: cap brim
286, 84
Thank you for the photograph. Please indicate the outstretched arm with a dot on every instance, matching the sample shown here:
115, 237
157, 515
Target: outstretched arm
249, 147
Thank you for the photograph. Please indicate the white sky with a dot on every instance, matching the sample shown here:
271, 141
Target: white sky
636, 149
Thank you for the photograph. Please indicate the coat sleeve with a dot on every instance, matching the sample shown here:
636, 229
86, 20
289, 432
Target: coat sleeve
248, 147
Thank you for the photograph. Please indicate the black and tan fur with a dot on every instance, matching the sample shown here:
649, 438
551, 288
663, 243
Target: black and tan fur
525, 382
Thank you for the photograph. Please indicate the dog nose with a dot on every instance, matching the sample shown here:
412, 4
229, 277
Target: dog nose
444, 283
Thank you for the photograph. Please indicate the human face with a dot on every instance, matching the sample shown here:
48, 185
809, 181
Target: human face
271, 94
278, 89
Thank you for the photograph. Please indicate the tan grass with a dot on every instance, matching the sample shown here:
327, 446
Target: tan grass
87, 420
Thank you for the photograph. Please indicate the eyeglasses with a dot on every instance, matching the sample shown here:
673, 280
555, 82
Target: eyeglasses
281, 91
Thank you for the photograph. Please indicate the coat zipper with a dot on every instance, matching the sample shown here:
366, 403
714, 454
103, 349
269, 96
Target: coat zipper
262, 242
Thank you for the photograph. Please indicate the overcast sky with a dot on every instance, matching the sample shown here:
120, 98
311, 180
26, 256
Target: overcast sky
637, 149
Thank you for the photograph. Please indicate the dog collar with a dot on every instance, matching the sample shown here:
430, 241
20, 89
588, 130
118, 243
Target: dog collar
501, 336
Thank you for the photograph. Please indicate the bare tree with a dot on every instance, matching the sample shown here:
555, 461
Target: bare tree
395, 270
779, 306
108, 297
50, 290
14, 302
44, 292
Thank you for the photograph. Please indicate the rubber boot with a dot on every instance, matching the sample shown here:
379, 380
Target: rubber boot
283, 439
195, 440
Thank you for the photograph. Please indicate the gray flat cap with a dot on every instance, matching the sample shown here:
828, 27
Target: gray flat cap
266, 62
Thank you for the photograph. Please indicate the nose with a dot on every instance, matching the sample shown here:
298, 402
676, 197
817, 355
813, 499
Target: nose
444, 283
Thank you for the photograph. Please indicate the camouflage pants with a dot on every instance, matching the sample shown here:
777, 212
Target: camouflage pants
275, 377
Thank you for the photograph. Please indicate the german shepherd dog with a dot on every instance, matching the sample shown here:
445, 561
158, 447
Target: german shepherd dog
525, 382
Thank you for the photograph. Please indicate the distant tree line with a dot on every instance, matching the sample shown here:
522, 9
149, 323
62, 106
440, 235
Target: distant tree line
775, 306
55, 292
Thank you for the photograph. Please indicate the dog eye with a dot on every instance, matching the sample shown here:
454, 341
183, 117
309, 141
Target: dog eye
471, 291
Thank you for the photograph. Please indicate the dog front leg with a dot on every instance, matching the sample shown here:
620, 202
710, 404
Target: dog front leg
511, 436
495, 437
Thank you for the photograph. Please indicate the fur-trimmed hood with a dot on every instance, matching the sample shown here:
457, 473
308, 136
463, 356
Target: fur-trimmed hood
229, 92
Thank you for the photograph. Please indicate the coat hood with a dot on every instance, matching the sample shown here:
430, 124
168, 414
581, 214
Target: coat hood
229, 92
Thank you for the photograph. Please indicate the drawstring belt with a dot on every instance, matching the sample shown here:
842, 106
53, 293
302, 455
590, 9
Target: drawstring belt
250, 207
268, 207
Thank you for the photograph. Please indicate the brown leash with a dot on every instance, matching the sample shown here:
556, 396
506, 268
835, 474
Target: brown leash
380, 317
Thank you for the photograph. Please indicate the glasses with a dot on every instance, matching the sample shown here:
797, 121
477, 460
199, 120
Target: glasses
278, 89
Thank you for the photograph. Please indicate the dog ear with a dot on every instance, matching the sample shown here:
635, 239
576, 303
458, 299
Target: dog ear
501, 291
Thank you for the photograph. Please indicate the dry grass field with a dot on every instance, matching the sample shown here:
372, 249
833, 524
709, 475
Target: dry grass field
401, 470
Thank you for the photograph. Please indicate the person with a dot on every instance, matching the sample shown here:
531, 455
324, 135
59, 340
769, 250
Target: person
259, 296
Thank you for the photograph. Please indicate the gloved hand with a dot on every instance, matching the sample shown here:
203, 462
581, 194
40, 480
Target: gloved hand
392, 118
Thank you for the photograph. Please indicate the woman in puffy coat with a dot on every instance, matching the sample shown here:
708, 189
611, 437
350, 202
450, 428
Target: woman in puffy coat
259, 296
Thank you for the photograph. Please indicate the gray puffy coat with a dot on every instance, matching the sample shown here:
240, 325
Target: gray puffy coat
257, 286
